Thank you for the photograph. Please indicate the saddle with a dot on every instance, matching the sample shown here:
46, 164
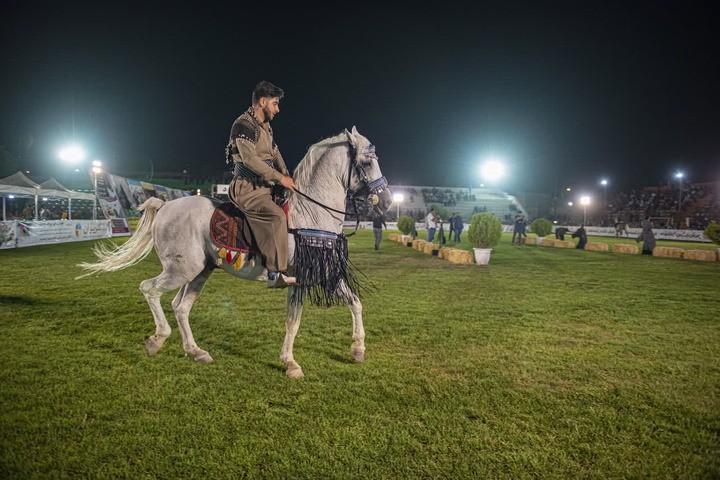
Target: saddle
230, 230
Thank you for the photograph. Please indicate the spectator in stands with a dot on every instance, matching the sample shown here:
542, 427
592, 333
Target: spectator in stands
647, 237
431, 224
458, 226
28, 212
378, 221
581, 235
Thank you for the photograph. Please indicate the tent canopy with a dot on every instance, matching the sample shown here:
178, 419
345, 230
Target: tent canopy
19, 184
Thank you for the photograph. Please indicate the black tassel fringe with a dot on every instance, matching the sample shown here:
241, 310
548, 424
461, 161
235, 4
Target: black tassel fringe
321, 269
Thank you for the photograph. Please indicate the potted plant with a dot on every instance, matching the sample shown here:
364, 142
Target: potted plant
713, 233
484, 232
541, 227
406, 226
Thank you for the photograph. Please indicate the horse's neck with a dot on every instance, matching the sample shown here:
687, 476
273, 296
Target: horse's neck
324, 184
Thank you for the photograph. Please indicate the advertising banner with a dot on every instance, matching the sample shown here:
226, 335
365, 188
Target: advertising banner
58, 231
107, 193
8, 237
120, 197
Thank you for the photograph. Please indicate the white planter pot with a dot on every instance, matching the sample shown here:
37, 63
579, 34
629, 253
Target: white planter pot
482, 255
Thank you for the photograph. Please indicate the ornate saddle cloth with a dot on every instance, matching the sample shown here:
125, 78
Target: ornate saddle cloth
229, 229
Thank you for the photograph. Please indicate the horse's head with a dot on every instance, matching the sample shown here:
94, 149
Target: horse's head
371, 188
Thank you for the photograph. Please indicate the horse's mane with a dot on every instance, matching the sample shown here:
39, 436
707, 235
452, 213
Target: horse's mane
307, 165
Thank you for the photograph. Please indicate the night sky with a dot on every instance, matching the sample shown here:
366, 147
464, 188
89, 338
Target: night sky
564, 93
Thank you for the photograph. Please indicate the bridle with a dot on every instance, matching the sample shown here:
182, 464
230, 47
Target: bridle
375, 187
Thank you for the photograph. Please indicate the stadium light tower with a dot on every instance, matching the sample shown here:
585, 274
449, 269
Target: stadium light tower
96, 170
679, 176
585, 201
604, 184
72, 153
492, 170
398, 198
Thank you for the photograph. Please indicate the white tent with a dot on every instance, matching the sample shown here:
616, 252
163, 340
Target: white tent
19, 184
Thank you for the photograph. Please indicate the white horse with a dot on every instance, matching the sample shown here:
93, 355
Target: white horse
180, 233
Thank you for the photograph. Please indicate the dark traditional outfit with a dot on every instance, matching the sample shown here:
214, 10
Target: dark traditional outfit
257, 165
560, 233
647, 237
581, 235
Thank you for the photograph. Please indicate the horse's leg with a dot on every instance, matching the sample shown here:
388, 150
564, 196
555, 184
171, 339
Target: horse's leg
181, 305
153, 288
292, 323
353, 303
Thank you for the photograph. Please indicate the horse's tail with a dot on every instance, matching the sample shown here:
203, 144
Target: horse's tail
131, 252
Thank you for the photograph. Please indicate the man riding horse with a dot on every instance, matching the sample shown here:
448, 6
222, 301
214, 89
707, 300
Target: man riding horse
257, 166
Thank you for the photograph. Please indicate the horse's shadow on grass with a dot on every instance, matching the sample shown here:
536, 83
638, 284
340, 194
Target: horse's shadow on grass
23, 301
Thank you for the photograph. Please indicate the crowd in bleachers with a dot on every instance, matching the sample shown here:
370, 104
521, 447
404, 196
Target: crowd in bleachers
700, 204
25, 210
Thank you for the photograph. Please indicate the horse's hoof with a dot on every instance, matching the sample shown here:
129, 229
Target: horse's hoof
358, 354
295, 372
152, 346
203, 357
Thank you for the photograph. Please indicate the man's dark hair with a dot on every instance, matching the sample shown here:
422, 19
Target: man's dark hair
266, 89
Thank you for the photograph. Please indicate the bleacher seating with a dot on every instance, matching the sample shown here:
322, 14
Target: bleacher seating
468, 201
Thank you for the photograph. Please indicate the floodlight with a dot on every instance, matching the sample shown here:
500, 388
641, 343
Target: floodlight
97, 163
96, 170
603, 182
492, 170
11, 196
585, 200
570, 203
398, 197
72, 153
44, 199
679, 175
568, 189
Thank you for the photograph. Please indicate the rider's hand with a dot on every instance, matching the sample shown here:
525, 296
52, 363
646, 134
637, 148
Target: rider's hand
287, 182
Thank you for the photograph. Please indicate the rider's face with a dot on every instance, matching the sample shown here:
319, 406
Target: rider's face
270, 108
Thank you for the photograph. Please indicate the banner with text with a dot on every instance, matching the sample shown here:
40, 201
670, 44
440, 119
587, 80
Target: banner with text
25, 234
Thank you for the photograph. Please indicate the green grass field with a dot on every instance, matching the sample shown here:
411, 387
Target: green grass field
546, 363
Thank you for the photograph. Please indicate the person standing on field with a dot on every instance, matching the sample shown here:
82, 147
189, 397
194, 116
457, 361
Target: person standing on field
378, 223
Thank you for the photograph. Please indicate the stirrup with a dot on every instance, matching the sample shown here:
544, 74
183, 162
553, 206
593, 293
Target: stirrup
279, 280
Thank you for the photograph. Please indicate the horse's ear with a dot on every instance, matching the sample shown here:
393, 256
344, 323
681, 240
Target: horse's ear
351, 137
354, 131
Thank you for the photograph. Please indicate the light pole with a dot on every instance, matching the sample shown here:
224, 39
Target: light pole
584, 201
96, 170
398, 198
72, 154
679, 176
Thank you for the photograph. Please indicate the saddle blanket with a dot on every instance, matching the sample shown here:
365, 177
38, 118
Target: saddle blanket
230, 229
